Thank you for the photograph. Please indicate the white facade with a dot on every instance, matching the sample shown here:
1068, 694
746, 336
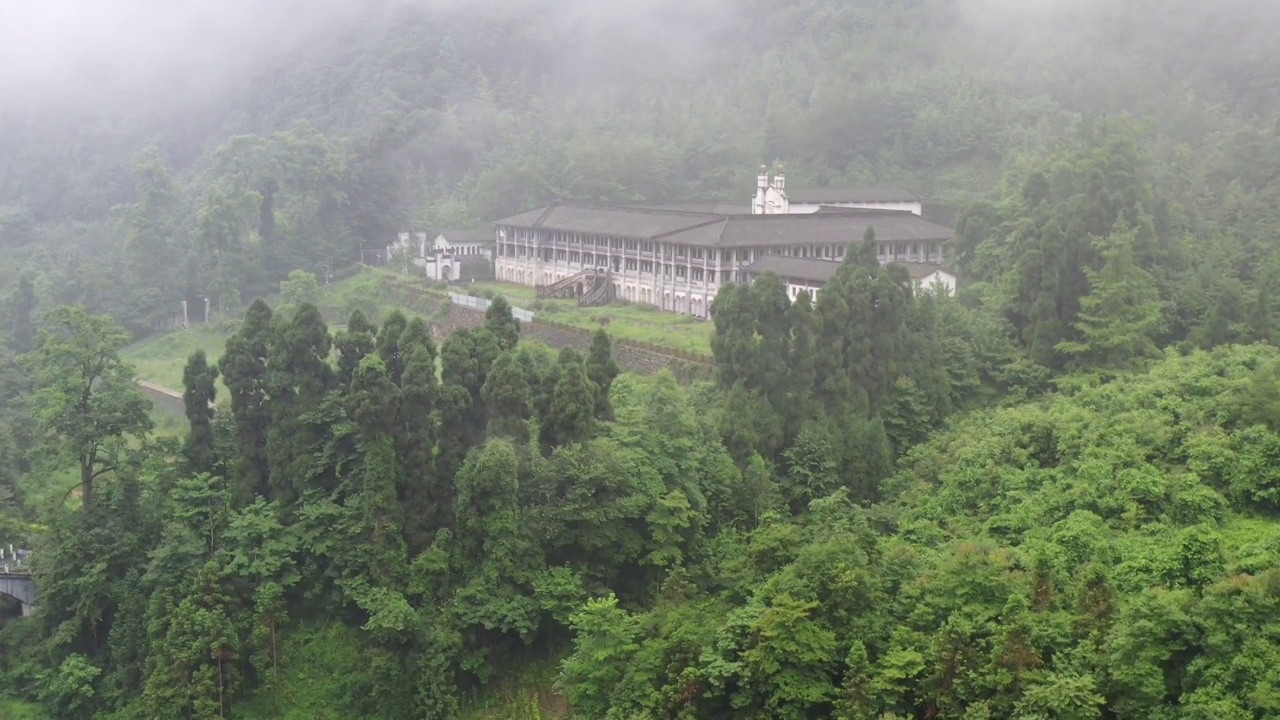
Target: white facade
771, 199
915, 208
939, 280
469, 246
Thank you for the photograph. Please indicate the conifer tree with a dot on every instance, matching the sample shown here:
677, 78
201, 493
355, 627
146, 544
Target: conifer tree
20, 311
508, 396
734, 342
199, 381
602, 369
353, 344
300, 378
768, 307
802, 362
424, 489
571, 415
389, 344
1122, 314
500, 321
244, 371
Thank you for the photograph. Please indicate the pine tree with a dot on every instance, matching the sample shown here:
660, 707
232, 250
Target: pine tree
508, 395
602, 369
20, 310
500, 321
353, 344
425, 490
1122, 314
389, 345
299, 378
571, 416
802, 368
244, 372
199, 381
769, 305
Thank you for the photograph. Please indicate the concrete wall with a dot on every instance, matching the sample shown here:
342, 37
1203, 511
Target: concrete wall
163, 399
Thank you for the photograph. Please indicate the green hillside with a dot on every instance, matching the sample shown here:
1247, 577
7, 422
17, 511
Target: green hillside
1051, 496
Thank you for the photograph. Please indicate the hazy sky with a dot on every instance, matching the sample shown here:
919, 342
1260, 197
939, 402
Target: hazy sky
58, 48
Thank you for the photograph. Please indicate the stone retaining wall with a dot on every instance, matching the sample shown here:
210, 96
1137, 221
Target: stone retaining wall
447, 317
164, 399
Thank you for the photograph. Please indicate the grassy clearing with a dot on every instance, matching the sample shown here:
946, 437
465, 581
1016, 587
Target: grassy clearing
18, 710
160, 358
642, 323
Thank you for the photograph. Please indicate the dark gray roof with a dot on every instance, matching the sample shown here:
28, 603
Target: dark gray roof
818, 228
730, 230
714, 207
476, 235
806, 269
851, 195
619, 221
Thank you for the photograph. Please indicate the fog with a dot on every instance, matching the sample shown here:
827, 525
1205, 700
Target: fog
140, 49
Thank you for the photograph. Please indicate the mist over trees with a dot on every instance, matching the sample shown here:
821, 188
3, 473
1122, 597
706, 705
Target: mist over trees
1051, 495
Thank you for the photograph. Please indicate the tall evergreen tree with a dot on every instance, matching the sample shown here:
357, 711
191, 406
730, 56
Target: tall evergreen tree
425, 490
300, 379
1121, 316
20, 311
389, 344
500, 321
508, 394
199, 382
802, 362
244, 372
603, 370
353, 345
571, 415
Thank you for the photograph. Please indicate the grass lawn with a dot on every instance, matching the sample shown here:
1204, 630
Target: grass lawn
643, 323
18, 710
160, 358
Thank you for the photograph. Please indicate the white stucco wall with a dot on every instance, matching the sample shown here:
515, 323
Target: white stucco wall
914, 208
939, 278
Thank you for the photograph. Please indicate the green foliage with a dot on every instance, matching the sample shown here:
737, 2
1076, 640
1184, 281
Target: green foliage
875, 511
87, 404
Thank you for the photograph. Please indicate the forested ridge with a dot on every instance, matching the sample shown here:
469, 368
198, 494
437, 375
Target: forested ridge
1051, 496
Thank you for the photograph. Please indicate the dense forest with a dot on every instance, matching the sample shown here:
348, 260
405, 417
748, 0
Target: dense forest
1051, 496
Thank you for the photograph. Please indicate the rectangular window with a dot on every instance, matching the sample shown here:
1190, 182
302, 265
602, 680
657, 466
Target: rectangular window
575, 256
682, 271
646, 266
631, 263
697, 253
698, 274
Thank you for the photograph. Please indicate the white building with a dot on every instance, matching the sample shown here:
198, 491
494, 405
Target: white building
452, 255
773, 198
475, 242
811, 274
677, 259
